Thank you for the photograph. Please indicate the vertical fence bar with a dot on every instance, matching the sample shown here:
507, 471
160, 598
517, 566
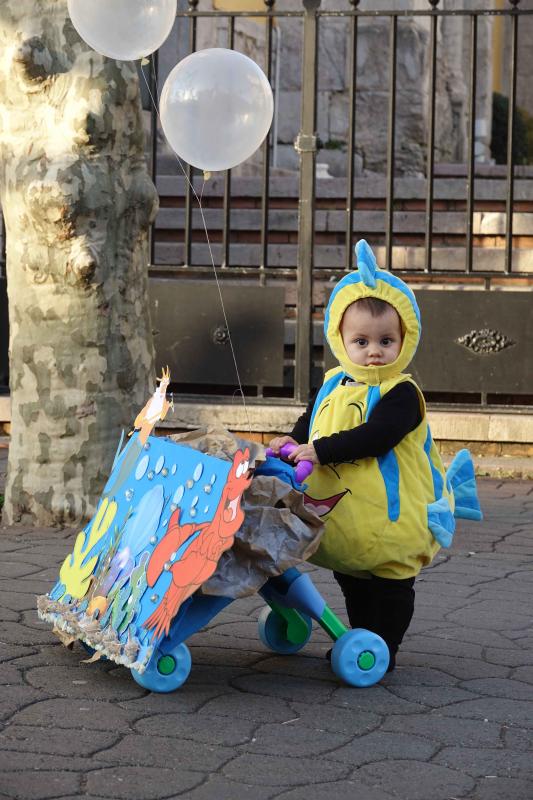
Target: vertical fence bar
227, 177
3, 270
154, 69
431, 139
187, 254
305, 145
265, 191
389, 213
510, 145
351, 138
470, 185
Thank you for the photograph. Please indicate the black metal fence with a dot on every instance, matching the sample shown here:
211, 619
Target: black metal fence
460, 223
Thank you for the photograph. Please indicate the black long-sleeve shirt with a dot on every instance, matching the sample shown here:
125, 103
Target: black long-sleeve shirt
392, 418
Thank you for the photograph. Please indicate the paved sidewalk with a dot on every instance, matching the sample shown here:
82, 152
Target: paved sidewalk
455, 720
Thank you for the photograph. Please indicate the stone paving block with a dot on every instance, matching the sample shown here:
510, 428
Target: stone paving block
38, 560
497, 687
216, 674
57, 742
13, 761
219, 788
434, 697
443, 647
24, 586
13, 697
88, 680
416, 780
19, 601
485, 638
159, 751
141, 783
510, 712
28, 785
494, 788
491, 614
10, 675
445, 730
17, 633
518, 738
218, 731
524, 674
376, 699
244, 705
461, 668
344, 790
296, 740
504, 763
294, 689
409, 675
16, 569
54, 654
378, 745
266, 770
328, 717
77, 714
187, 699
9, 652
300, 665
6, 615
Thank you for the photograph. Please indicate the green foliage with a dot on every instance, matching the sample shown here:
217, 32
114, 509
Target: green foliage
1, 501
334, 144
523, 132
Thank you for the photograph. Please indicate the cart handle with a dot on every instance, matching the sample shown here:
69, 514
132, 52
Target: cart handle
303, 468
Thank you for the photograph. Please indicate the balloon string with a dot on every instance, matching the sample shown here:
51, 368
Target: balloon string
199, 201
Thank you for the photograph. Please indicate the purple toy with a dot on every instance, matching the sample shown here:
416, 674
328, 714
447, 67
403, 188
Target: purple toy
303, 468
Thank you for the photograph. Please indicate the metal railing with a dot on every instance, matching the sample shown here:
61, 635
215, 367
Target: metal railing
312, 18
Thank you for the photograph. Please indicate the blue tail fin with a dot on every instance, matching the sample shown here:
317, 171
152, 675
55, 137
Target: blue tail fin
461, 480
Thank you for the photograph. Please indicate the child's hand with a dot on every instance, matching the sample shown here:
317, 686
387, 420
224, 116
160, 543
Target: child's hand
277, 443
304, 452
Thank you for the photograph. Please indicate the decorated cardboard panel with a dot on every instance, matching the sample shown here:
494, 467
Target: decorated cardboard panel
166, 515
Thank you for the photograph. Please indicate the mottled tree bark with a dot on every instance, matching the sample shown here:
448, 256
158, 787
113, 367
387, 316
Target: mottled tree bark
77, 201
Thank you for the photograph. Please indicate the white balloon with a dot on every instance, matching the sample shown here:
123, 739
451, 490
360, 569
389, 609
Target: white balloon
123, 29
216, 108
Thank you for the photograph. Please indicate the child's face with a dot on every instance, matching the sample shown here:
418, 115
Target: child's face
371, 341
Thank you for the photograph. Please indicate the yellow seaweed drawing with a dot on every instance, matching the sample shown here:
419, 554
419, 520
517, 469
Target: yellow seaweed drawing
75, 575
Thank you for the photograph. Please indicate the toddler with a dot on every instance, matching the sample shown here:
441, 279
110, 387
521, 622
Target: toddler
379, 483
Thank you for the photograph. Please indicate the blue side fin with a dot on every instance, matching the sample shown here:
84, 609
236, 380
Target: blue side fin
441, 521
460, 476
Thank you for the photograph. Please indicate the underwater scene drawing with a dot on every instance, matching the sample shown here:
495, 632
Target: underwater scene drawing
166, 515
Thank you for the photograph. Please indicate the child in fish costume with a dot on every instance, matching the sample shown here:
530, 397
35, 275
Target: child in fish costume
380, 485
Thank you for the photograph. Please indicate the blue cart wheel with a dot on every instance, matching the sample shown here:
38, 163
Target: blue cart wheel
166, 671
273, 631
360, 657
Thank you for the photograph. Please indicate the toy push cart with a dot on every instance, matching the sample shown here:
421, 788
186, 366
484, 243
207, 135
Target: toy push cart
131, 588
359, 657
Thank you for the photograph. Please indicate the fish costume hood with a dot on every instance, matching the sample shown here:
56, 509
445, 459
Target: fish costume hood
390, 514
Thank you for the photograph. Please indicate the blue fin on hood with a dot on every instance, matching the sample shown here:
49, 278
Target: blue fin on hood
366, 263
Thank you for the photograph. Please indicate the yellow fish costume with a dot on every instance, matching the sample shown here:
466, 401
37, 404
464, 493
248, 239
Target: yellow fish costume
387, 515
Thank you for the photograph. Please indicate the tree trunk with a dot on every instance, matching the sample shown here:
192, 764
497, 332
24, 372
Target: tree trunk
77, 201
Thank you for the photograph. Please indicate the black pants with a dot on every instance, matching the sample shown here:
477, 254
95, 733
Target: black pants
381, 605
